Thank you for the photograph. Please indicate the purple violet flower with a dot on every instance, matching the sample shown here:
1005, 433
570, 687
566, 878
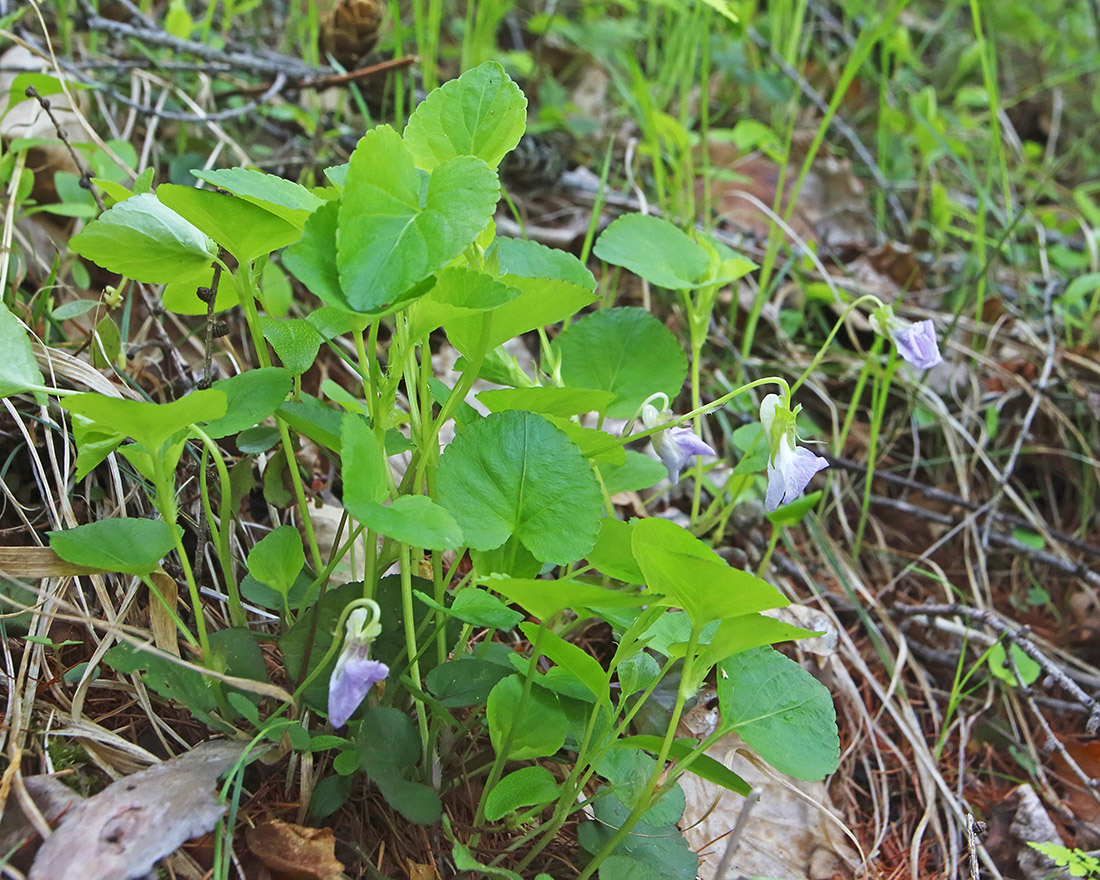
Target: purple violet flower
674, 446
916, 343
355, 673
790, 467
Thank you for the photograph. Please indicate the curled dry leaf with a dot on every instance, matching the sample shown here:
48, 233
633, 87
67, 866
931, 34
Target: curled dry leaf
124, 830
293, 852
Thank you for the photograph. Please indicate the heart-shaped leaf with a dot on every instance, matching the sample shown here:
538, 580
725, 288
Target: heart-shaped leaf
393, 231
482, 113
513, 473
125, 544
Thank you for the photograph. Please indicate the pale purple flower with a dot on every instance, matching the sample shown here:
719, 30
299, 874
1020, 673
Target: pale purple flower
916, 343
674, 446
355, 673
790, 467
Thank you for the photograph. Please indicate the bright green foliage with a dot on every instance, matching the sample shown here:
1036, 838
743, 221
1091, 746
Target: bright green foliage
242, 228
1078, 863
277, 559
529, 259
527, 787
250, 398
524, 728
695, 578
277, 196
1027, 668
414, 520
150, 424
392, 230
544, 599
548, 401
294, 340
514, 473
144, 239
654, 249
125, 544
18, 368
780, 710
482, 113
613, 554
578, 662
625, 351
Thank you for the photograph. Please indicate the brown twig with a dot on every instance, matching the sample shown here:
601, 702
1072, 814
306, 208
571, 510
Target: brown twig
85, 175
336, 79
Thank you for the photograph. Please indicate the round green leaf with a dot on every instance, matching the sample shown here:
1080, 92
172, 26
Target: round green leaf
147, 241
537, 731
656, 250
529, 259
482, 113
526, 787
998, 664
294, 340
277, 559
251, 396
625, 351
415, 520
780, 710
389, 237
515, 473
125, 544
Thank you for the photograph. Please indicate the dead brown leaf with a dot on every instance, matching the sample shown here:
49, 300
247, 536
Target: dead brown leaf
294, 852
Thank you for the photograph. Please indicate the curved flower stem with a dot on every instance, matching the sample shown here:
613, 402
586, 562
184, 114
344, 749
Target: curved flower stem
687, 417
867, 297
337, 642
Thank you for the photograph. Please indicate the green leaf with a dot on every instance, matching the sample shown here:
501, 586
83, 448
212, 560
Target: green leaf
648, 851
482, 113
580, 664
637, 673
654, 249
65, 311
277, 559
694, 577
533, 730
514, 473
702, 766
736, 634
998, 664
526, 787
251, 397
542, 302
477, 607
466, 681
18, 368
150, 424
177, 21
544, 599
294, 340
329, 795
529, 259
548, 401
638, 471
389, 237
143, 239
458, 291
181, 297
171, 680
792, 514
312, 259
413, 519
613, 554
242, 228
511, 558
362, 457
780, 710
625, 351
318, 421
124, 544
279, 196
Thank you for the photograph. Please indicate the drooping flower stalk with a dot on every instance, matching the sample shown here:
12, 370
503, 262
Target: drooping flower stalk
916, 343
675, 446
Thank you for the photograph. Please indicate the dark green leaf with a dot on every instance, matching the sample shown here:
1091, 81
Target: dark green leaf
125, 544
533, 730
526, 787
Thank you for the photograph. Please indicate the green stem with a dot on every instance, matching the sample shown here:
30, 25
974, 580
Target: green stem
221, 534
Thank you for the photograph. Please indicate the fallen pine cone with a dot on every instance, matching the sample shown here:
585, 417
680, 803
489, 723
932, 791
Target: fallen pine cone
349, 30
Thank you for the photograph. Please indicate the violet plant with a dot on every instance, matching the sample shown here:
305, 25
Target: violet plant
401, 245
